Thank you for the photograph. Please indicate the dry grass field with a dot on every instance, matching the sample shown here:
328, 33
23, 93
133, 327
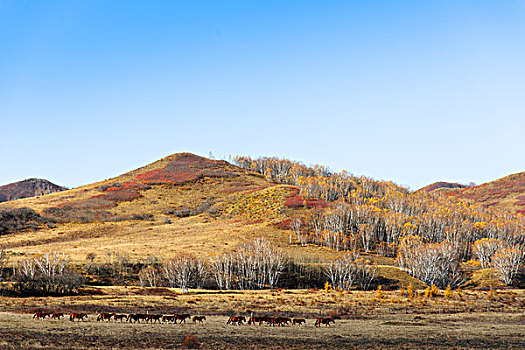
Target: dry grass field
458, 331
466, 320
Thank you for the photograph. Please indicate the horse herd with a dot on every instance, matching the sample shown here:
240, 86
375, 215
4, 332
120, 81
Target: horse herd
135, 318
278, 321
181, 318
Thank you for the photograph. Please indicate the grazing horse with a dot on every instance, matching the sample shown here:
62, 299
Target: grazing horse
280, 321
324, 320
266, 319
169, 318
236, 320
154, 318
199, 319
120, 317
57, 315
137, 317
183, 317
255, 319
104, 316
77, 315
41, 315
285, 320
298, 321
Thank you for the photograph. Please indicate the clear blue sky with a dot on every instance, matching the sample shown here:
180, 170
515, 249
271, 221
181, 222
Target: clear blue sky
408, 91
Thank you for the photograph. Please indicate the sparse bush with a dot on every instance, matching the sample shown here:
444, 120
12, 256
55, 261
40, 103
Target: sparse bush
14, 220
143, 216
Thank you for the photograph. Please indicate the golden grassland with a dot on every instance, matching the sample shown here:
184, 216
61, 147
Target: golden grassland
139, 239
460, 331
471, 319
308, 303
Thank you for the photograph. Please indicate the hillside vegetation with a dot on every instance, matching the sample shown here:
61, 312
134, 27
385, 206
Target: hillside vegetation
189, 213
507, 193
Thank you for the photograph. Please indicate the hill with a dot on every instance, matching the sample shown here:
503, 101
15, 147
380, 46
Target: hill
180, 204
28, 188
441, 185
190, 205
507, 193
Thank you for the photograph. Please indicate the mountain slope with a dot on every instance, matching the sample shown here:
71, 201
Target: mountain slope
180, 204
507, 193
28, 188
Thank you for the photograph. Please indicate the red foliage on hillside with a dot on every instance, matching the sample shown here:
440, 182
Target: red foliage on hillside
119, 195
297, 201
283, 225
492, 194
121, 192
112, 194
185, 168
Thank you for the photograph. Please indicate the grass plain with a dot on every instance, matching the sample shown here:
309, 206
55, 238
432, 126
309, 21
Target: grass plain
467, 320
400, 331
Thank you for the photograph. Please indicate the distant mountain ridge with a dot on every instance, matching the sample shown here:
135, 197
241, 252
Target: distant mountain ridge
441, 185
28, 188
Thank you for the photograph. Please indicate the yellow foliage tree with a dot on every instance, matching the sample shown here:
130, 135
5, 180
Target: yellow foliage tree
328, 288
449, 294
410, 291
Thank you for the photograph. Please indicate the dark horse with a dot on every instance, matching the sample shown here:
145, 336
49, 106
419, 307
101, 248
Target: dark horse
324, 320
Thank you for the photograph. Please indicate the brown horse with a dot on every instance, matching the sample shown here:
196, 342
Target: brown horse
77, 315
104, 316
324, 320
280, 321
169, 318
57, 315
154, 318
183, 317
254, 320
199, 319
137, 317
120, 317
266, 319
298, 321
41, 315
236, 320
